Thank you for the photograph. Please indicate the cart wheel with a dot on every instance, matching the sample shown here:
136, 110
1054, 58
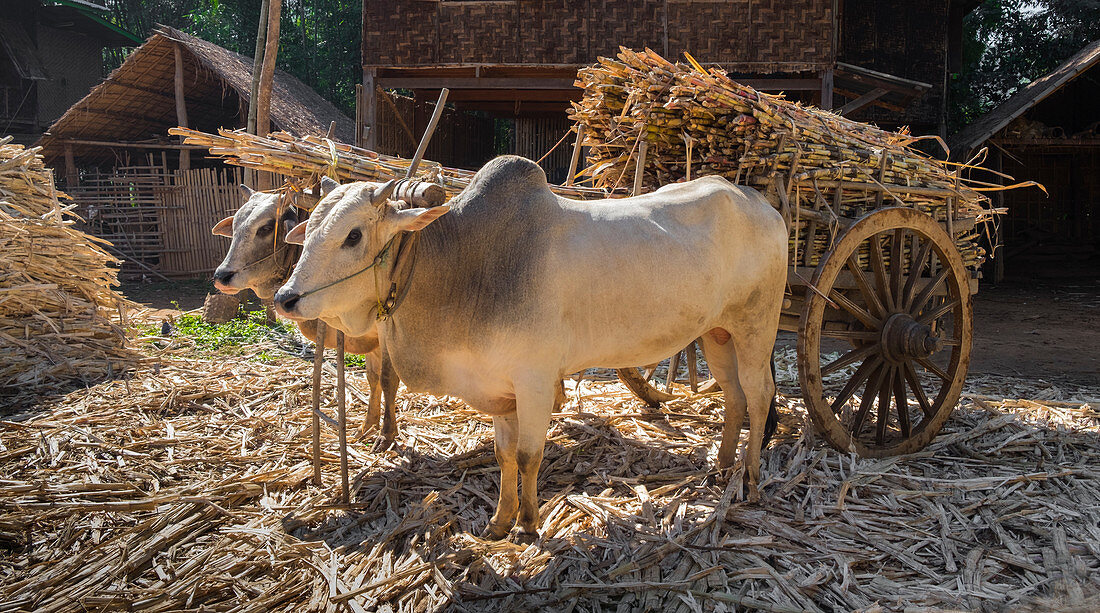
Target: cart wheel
895, 288
654, 384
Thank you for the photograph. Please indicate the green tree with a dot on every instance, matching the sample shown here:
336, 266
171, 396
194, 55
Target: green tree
1009, 43
319, 40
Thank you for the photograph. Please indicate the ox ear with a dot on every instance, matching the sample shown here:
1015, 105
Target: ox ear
223, 228
327, 185
289, 219
411, 220
297, 236
246, 191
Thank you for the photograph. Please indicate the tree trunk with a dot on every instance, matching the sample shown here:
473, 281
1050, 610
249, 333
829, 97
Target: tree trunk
257, 62
267, 73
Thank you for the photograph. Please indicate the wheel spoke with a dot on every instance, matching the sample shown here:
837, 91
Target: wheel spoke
868, 399
851, 335
939, 311
879, 266
848, 358
865, 287
897, 269
903, 404
915, 271
926, 293
865, 370
884, 405
918, 390
934, 368
846, 303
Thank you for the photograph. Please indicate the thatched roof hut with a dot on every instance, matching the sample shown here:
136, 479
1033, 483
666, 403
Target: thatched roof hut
134, 107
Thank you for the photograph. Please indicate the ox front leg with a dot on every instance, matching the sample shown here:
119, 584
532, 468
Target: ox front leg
390, 382
505, 439
718, 348
374, 379
534, 407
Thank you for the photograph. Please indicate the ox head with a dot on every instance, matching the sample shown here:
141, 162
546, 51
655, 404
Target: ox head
348, 254
259, 258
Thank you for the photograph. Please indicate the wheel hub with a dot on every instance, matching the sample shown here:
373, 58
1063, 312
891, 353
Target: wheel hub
903, 338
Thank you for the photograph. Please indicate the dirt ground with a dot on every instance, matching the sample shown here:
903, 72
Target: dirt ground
1046, 330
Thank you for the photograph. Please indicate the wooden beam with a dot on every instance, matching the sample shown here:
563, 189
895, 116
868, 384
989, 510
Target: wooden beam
126, 144
784, 85
532, 95
862, 101
827, 89
181, 105
472, 83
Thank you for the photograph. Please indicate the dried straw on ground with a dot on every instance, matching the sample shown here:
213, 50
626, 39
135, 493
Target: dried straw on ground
187, 488
56, 296
699, 122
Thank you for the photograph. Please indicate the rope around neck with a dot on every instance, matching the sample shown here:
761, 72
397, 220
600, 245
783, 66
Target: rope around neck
377, 261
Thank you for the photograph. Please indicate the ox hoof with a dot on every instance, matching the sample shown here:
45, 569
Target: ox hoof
495, 532
524, 537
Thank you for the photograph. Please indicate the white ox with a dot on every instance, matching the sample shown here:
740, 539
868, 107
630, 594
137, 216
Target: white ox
517, 287
260, 259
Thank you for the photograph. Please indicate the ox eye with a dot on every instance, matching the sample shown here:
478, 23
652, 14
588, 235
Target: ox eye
266, 229
353, 238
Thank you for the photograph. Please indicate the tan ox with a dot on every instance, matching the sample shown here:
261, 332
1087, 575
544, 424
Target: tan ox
260, 259
515, 287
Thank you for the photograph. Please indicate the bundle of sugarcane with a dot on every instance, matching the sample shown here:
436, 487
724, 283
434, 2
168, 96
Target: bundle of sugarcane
309, 158
698, 122
56, 296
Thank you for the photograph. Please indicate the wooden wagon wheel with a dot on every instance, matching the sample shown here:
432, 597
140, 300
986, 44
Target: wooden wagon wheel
654, 384
893, 298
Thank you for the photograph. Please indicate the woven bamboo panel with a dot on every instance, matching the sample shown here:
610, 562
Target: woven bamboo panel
556, 29
399, 33
479, 32
636, 24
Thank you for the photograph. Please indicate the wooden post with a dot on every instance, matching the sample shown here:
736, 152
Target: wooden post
318, 362
267, 69
371, 136
181, 106
998, 234
257, 62
342, 417
827, 89
576, 155
437, 112
638, 169
72, 176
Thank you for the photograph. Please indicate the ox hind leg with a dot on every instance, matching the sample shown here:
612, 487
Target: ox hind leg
742, 366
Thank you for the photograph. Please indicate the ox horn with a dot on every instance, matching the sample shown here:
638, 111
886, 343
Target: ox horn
383, 193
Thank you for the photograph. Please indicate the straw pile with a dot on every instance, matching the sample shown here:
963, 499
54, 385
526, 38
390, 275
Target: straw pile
702, 119
56, 296
187, 488
309, 158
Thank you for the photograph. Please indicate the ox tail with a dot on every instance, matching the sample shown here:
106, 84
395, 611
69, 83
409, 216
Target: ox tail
773, 414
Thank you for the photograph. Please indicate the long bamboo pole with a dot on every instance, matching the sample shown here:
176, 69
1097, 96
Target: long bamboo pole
318, 362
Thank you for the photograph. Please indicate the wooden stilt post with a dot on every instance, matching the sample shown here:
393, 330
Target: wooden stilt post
181, 106
371, 136
342, 417
638, 170
72, 176
576, 155
318, 362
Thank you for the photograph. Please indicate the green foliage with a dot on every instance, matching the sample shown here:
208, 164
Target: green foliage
319, 40
1009, 43
249, 329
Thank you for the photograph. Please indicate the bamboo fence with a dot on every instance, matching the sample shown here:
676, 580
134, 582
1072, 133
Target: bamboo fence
56, 296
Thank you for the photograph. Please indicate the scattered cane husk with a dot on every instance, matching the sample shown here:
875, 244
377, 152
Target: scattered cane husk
59, 316
187, 487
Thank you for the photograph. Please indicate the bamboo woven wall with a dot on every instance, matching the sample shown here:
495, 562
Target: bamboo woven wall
749, 35
461, 140
195, 201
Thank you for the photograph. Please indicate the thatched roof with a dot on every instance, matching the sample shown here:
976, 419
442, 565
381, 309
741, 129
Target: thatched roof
136, 103
992, 122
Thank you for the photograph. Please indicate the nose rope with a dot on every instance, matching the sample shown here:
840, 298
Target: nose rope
377, 261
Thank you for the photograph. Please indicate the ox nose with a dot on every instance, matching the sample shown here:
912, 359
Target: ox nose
224, 276
287, 300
